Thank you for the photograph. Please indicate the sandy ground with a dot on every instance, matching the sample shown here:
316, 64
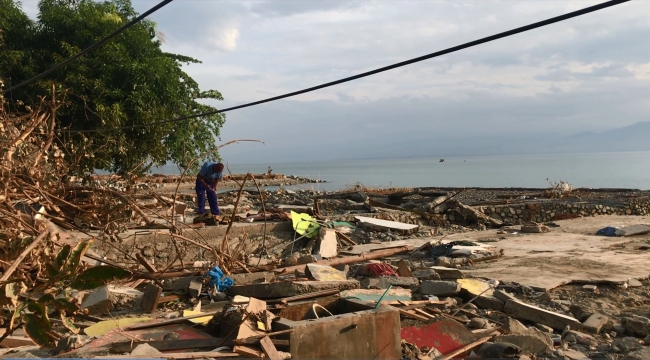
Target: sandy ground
568, 253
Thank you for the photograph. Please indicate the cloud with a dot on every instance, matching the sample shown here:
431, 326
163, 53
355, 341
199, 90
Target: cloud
225, 39
585, 74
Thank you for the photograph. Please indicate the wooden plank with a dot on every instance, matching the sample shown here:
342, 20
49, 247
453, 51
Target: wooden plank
424, 313
403, 270
16, 341
247, 329
167, 345
254, 341
411, 314
345, 238
187, 355
150, 298
171, 321
147, 265
269, 349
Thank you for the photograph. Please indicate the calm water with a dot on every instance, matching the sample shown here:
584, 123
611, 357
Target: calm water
604, 170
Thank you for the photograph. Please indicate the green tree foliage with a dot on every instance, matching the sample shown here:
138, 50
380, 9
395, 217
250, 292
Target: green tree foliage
128, 81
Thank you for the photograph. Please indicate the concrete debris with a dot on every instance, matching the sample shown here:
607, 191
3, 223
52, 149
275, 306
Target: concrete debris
145, 350
98, 302
636, 325
439, 288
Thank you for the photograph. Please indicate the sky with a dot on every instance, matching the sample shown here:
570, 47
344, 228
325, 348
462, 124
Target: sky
591, 73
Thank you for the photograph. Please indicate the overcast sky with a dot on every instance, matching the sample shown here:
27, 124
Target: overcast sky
591, 73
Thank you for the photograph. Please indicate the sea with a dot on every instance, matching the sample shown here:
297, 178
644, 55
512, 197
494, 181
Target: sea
629, 170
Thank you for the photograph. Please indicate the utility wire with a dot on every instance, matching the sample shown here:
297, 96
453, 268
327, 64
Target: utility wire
382, 69
91, 47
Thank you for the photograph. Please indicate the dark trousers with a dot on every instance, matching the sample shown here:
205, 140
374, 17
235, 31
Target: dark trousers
212, 198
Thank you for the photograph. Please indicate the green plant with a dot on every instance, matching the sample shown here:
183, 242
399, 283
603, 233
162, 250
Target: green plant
65, 274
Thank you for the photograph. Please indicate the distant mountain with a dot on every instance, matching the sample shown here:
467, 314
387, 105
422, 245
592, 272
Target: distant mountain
635, 137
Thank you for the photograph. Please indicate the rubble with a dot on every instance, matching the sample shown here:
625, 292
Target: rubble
113, 266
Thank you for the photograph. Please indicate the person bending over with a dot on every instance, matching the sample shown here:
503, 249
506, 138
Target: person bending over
207, 182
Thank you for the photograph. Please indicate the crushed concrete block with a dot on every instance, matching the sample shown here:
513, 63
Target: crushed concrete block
582, 338
98, 302
534, 228
636, 325
324, 273
528, 343
447, 273
574, 354
195, 288
532, 313
385, 281
595, 322
426, 274
515, 327
439, 288
642, 354
307, 259
252, 278
145, 350
625, 344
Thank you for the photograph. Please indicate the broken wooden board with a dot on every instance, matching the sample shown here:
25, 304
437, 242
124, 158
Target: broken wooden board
103, 327
168, 345
151, 298
380, 224
247, 329
269, 349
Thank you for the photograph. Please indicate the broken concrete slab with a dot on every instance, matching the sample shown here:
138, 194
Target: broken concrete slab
98, 302
447, 273
595, 323
528, 343
252, 278
483, 291
636, 325
633, 230
532, 313
439, 288
286, 289
426, 274
324, 273
394, 294
145, 350
385, 281
380, 224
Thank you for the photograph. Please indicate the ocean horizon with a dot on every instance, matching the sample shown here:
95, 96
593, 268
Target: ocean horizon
589, 170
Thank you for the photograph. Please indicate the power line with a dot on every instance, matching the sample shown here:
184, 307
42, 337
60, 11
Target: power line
91, 47
382, 69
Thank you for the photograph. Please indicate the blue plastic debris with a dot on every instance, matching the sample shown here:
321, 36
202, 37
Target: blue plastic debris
216, 276
607, 231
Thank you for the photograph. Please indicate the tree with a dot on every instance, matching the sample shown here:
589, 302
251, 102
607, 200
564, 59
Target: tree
127, 81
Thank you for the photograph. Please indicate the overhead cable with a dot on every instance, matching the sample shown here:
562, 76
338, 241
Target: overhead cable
379, 70
91, 47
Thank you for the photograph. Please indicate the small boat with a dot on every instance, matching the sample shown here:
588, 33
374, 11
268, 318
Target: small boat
442, 160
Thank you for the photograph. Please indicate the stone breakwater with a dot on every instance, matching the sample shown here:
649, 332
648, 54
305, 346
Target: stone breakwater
550, 210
